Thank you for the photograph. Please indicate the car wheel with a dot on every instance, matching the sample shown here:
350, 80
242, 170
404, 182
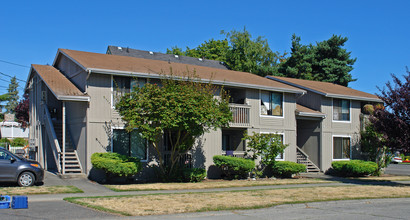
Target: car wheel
26, 179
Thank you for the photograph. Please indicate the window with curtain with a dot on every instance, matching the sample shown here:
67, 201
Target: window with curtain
129, 143
341, 148
341, 110
272, 103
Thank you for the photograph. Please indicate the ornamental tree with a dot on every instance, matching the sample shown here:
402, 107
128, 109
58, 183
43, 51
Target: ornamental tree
181, 108
393, 120
267, 146
22, 111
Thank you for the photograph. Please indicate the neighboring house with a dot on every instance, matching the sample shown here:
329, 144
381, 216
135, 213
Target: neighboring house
125, 51
72, 110
328, 119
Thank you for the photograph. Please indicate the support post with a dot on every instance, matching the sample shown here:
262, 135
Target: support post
63, 144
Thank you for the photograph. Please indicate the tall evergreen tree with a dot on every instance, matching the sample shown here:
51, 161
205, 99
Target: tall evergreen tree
326, 61
13, 94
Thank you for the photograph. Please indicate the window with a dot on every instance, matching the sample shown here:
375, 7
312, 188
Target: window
122, 85
341, 148
272, 103
341, 110
280, 156
4, 156
130, 144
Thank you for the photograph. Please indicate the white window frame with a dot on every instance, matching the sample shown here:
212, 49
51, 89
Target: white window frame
272, 116
333, 146
284, 142
350, 111
112, 145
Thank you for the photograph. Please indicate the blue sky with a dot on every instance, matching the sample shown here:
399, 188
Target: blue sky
32, 31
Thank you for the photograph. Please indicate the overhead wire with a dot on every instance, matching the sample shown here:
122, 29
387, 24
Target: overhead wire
16, 64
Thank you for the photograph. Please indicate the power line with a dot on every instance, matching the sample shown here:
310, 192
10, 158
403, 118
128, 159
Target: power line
12, 77
14, 63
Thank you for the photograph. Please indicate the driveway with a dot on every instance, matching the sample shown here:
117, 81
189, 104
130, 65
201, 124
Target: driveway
398, 169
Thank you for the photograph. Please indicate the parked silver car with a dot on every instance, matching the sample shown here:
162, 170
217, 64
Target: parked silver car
17, 169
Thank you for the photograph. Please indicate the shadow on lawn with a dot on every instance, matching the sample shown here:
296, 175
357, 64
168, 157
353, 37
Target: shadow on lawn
357, 181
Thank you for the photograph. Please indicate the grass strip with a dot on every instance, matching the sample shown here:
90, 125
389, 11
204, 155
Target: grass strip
213, 184
159, 204
34, 190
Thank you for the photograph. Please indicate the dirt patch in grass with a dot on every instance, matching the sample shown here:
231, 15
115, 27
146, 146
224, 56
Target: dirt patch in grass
209, 184
159, 204
39, 190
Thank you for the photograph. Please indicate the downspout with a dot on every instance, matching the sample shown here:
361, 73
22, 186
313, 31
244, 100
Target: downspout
63, 144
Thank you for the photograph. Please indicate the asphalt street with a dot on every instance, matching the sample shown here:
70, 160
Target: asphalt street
398, 169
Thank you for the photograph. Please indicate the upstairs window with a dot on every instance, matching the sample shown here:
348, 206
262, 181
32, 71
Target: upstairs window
272, 103
341, 110
122, 85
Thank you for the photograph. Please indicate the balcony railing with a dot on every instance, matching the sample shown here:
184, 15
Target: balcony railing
241, 115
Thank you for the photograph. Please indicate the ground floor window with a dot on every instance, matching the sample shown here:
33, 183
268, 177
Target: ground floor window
280, 155
129, 143
341, 148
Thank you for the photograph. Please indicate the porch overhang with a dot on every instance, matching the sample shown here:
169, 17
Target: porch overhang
303, 111
61, 87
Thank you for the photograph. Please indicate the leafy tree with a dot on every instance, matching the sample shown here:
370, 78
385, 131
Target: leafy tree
212, 49
326, 61
22, 111
13, 96
3, 98
183, 110
266, 146
393, 121
239, 51
373, 147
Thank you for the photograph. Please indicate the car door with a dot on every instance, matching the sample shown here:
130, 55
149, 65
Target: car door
8, 167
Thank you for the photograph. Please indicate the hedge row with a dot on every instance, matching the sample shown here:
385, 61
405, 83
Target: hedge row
116, 164
286, 169
353, 168
234, 167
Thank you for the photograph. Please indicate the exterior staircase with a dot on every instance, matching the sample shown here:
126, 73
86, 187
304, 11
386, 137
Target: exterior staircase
72, 163
303, 158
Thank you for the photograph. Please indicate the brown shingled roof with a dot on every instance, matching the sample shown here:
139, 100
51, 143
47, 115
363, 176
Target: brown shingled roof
327, 89
305, 111
112, 63
59, 85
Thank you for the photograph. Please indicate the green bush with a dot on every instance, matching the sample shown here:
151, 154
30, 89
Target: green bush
234, 167
19, 142
286, 169
354, 168
115, 164
4, 140
193, 175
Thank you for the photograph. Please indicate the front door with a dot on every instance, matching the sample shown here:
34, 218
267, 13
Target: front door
308, 139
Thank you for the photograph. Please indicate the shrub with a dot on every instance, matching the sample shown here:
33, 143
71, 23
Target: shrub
234, 167
286, 169
115, 164
193, 175
4, 140
354, 168
19, 142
